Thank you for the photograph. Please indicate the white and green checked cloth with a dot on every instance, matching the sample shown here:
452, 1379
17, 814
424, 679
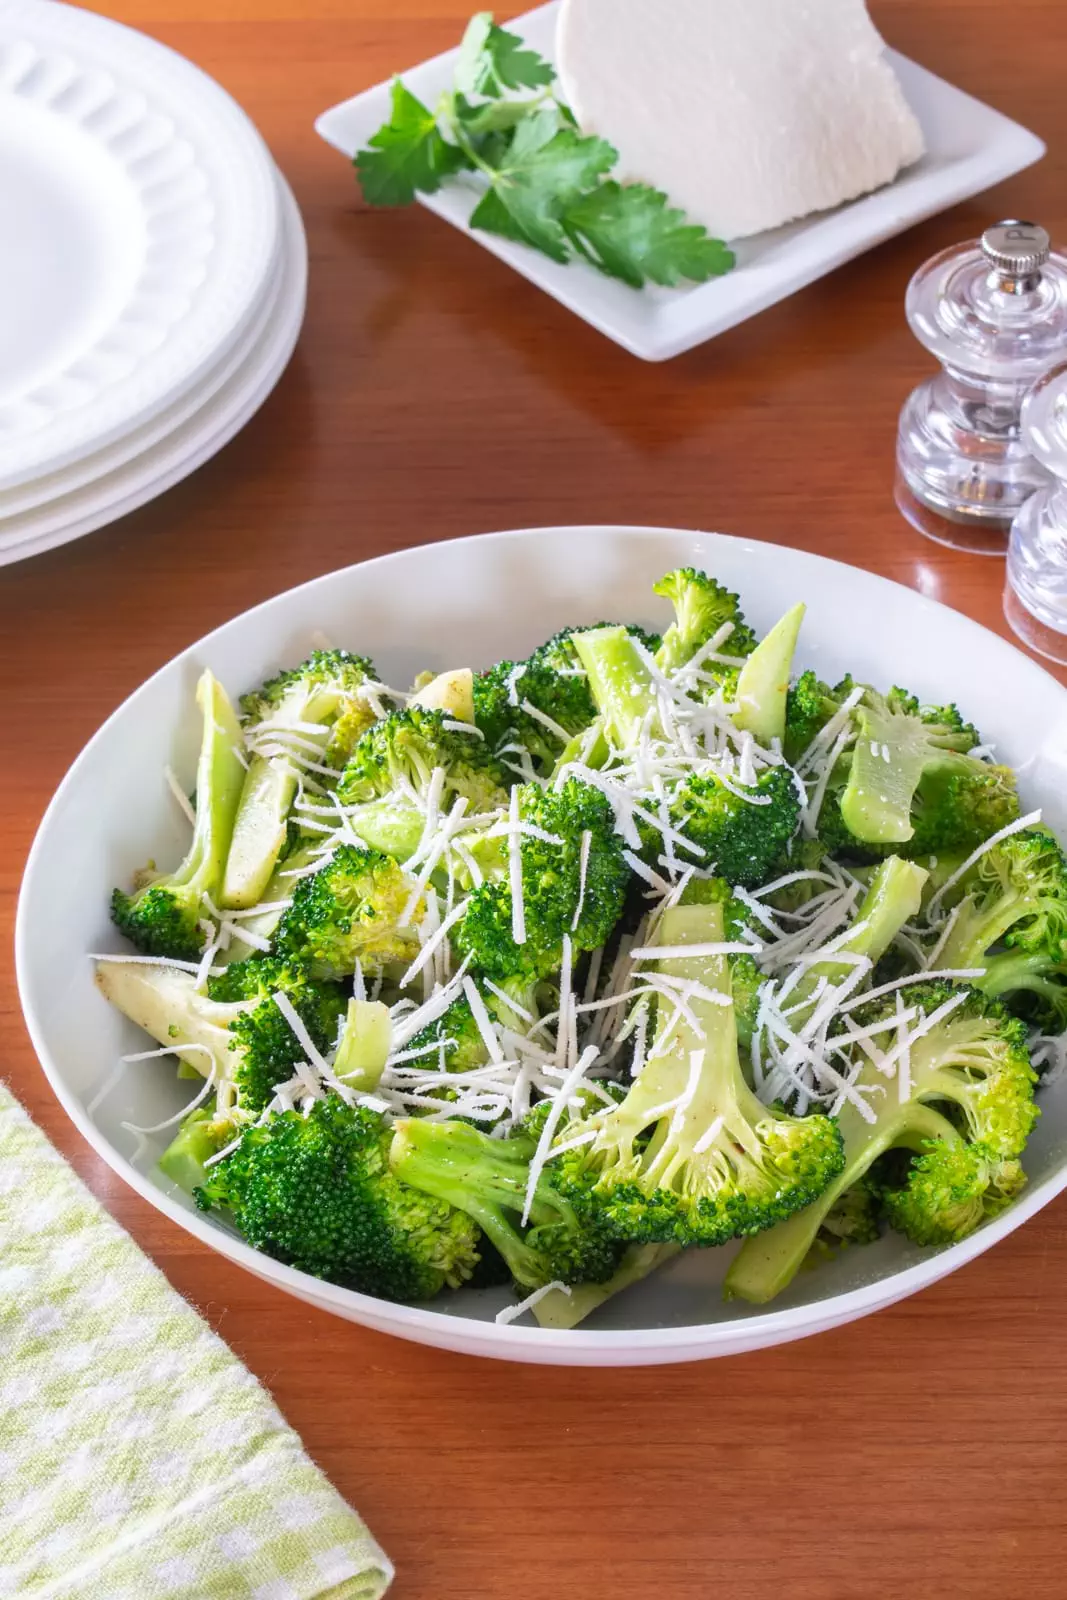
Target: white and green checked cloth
139, 1460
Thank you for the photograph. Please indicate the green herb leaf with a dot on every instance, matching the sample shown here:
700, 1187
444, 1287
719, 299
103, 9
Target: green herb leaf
408, 155
632, 232
544, 170
493, 61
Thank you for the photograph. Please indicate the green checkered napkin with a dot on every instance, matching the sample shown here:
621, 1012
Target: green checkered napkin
139, 1460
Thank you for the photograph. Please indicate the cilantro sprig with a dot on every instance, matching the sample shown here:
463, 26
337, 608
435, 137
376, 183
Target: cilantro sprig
544, 183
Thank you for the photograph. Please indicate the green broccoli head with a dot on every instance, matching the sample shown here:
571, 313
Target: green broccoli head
701, 608
810, 705
570, 887
350, 911
488, 1179
1014, 895
504, 695
266, 1048
400, 754
741, 834
948, 1191
691, 1156
328, 689
317, 1193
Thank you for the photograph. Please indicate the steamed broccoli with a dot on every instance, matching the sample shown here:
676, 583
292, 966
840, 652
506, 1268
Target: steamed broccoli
574, 881
397, 758
968, 1111
1010, 918
329, 690
163, 916
533, 705
701, 608
316, 1192
488, 1179
351, 910
691, 1155
908, 781
236, 1028
322, 707
741, 831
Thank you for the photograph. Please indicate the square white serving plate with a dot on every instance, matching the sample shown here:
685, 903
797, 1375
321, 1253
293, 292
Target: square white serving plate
969, 147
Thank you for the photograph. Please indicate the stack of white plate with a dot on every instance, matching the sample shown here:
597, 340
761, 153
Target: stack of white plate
152, 272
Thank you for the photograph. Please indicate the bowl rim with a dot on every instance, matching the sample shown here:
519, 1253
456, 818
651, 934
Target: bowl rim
694, 1341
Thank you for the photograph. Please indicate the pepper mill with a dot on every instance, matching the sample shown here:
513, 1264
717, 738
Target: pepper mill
1035, 596
994, 313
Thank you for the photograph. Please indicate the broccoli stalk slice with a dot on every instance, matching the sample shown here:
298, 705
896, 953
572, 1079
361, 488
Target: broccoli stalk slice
893, 897
974, 1061
619, 681
163, 917
200, 1137
894, 749
763, 682
364, 1047
166, 1003
280, 888
488, 1178
389, 826
566, 1309
259, 832
451, 692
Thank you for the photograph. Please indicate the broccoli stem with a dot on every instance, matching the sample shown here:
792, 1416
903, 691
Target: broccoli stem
364, 1047
893, 897
196, 1142
768, 1262
619, 681
164, 1002
893, 751
559, 1310
279, 889
394, 829
486, 1179
258, 832
763, 684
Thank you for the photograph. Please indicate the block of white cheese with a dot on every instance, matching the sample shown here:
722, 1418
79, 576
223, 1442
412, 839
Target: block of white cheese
747, 113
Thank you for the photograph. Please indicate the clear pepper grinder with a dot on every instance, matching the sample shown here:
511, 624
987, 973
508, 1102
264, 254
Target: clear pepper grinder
1035, 596
994, 313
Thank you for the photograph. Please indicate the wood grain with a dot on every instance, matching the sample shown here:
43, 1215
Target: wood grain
914, 1456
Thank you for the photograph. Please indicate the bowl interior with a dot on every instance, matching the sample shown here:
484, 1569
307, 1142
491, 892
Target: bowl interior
471, 602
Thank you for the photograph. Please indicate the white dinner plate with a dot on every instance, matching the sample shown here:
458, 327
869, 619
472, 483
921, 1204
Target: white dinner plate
969, 147
140, 229
475, 600
247, 383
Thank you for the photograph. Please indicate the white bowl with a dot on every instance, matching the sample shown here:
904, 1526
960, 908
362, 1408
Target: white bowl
473, 601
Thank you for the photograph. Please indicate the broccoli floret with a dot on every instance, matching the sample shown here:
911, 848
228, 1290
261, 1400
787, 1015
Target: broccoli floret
948, 1191
322, 706
810, 705
328, 689
691, 1155
317, 1192
488, 1179
910, 778
701, 608
235, 1028
351, 911
741, 832
163, 916
397, 758
533, 705
1015, 893
971, 1085
1010, 919
574, 882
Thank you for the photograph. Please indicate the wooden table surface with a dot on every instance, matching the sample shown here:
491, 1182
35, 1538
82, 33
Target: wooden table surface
918, 1455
